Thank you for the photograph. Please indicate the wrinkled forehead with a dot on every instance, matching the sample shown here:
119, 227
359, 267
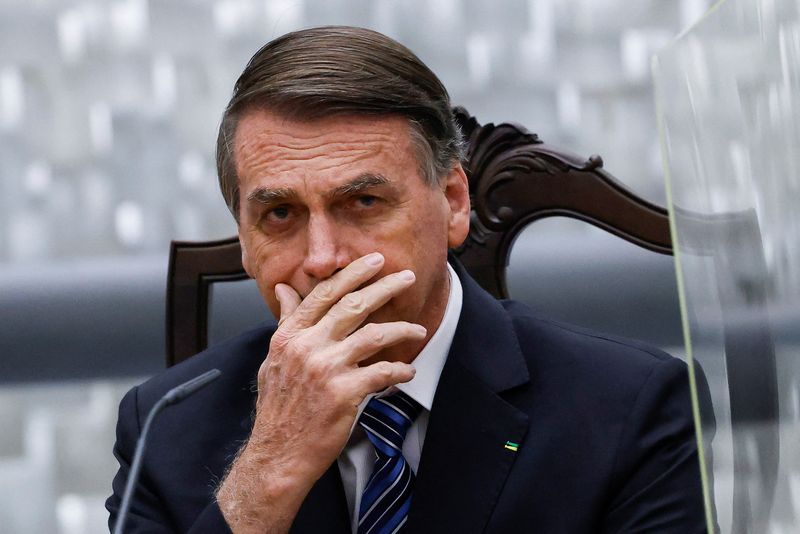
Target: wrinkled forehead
274, 148
269, 142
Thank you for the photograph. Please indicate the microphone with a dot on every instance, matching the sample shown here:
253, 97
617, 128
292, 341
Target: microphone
173, 396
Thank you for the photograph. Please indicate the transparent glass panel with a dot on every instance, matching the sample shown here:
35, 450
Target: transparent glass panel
728, 103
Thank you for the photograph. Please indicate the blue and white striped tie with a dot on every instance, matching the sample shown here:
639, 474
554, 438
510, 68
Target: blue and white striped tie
387, 496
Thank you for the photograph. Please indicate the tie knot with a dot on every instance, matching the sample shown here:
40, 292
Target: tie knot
386, 421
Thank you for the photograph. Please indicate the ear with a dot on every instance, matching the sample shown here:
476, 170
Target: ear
456, 191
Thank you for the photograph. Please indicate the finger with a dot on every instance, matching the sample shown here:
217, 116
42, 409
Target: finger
379, 376
328, 292
353, 309
288, 299
374, 337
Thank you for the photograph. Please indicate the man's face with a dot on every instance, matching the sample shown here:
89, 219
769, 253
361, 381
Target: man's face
316, 195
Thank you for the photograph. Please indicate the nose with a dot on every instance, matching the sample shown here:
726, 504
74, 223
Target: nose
325, 252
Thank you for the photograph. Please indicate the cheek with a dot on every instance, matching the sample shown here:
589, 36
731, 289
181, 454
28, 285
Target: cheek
430, 232
269, 265
422, 250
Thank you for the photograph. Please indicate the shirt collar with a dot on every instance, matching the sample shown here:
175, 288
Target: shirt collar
430, 361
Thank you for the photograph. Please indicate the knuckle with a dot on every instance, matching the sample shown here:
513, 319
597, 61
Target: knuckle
287, 348
385, 370
335, 391
374, 334
354, 302
313, 370
302, 346
378, 338
280, 339
324, 291
304, 314
317, 368
270, 367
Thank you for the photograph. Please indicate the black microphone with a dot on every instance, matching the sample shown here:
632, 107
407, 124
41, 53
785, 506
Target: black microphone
173, 396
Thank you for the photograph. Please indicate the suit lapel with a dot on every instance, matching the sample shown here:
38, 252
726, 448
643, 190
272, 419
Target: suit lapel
464, 463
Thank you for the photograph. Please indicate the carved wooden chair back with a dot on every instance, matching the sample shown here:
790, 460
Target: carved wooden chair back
514, 179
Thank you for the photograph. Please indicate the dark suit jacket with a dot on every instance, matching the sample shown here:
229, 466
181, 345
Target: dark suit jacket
605, 429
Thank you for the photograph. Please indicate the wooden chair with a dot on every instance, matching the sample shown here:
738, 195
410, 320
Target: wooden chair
514, 179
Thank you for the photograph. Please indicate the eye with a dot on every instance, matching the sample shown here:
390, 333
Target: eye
366, 200
278, 215
280, 212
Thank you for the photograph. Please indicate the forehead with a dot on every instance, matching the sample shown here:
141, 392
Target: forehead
268, 145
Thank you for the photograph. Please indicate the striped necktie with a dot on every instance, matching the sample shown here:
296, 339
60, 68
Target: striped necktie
387, 496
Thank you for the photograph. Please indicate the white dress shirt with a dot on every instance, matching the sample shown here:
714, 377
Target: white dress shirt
358, 456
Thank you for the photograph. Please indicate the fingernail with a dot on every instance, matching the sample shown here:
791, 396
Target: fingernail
422, 330
407, 275
374, 259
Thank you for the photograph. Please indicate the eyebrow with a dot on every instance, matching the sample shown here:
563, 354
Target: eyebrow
361, 183
262, 195
365, 181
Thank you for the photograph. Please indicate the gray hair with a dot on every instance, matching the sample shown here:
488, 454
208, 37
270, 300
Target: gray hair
342, 70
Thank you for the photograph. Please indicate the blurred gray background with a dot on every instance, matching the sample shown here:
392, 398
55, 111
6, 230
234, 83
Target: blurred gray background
108, 116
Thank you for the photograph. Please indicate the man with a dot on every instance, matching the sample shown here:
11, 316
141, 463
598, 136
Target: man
394, 393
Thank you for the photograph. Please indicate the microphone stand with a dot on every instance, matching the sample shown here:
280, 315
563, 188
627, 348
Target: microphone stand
173, 396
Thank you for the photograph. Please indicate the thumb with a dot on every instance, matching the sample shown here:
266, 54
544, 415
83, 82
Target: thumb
288, 299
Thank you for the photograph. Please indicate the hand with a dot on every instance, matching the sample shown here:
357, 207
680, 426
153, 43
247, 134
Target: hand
309, 390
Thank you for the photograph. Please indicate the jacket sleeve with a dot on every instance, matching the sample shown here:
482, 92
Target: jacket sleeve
147, 513
657, 484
